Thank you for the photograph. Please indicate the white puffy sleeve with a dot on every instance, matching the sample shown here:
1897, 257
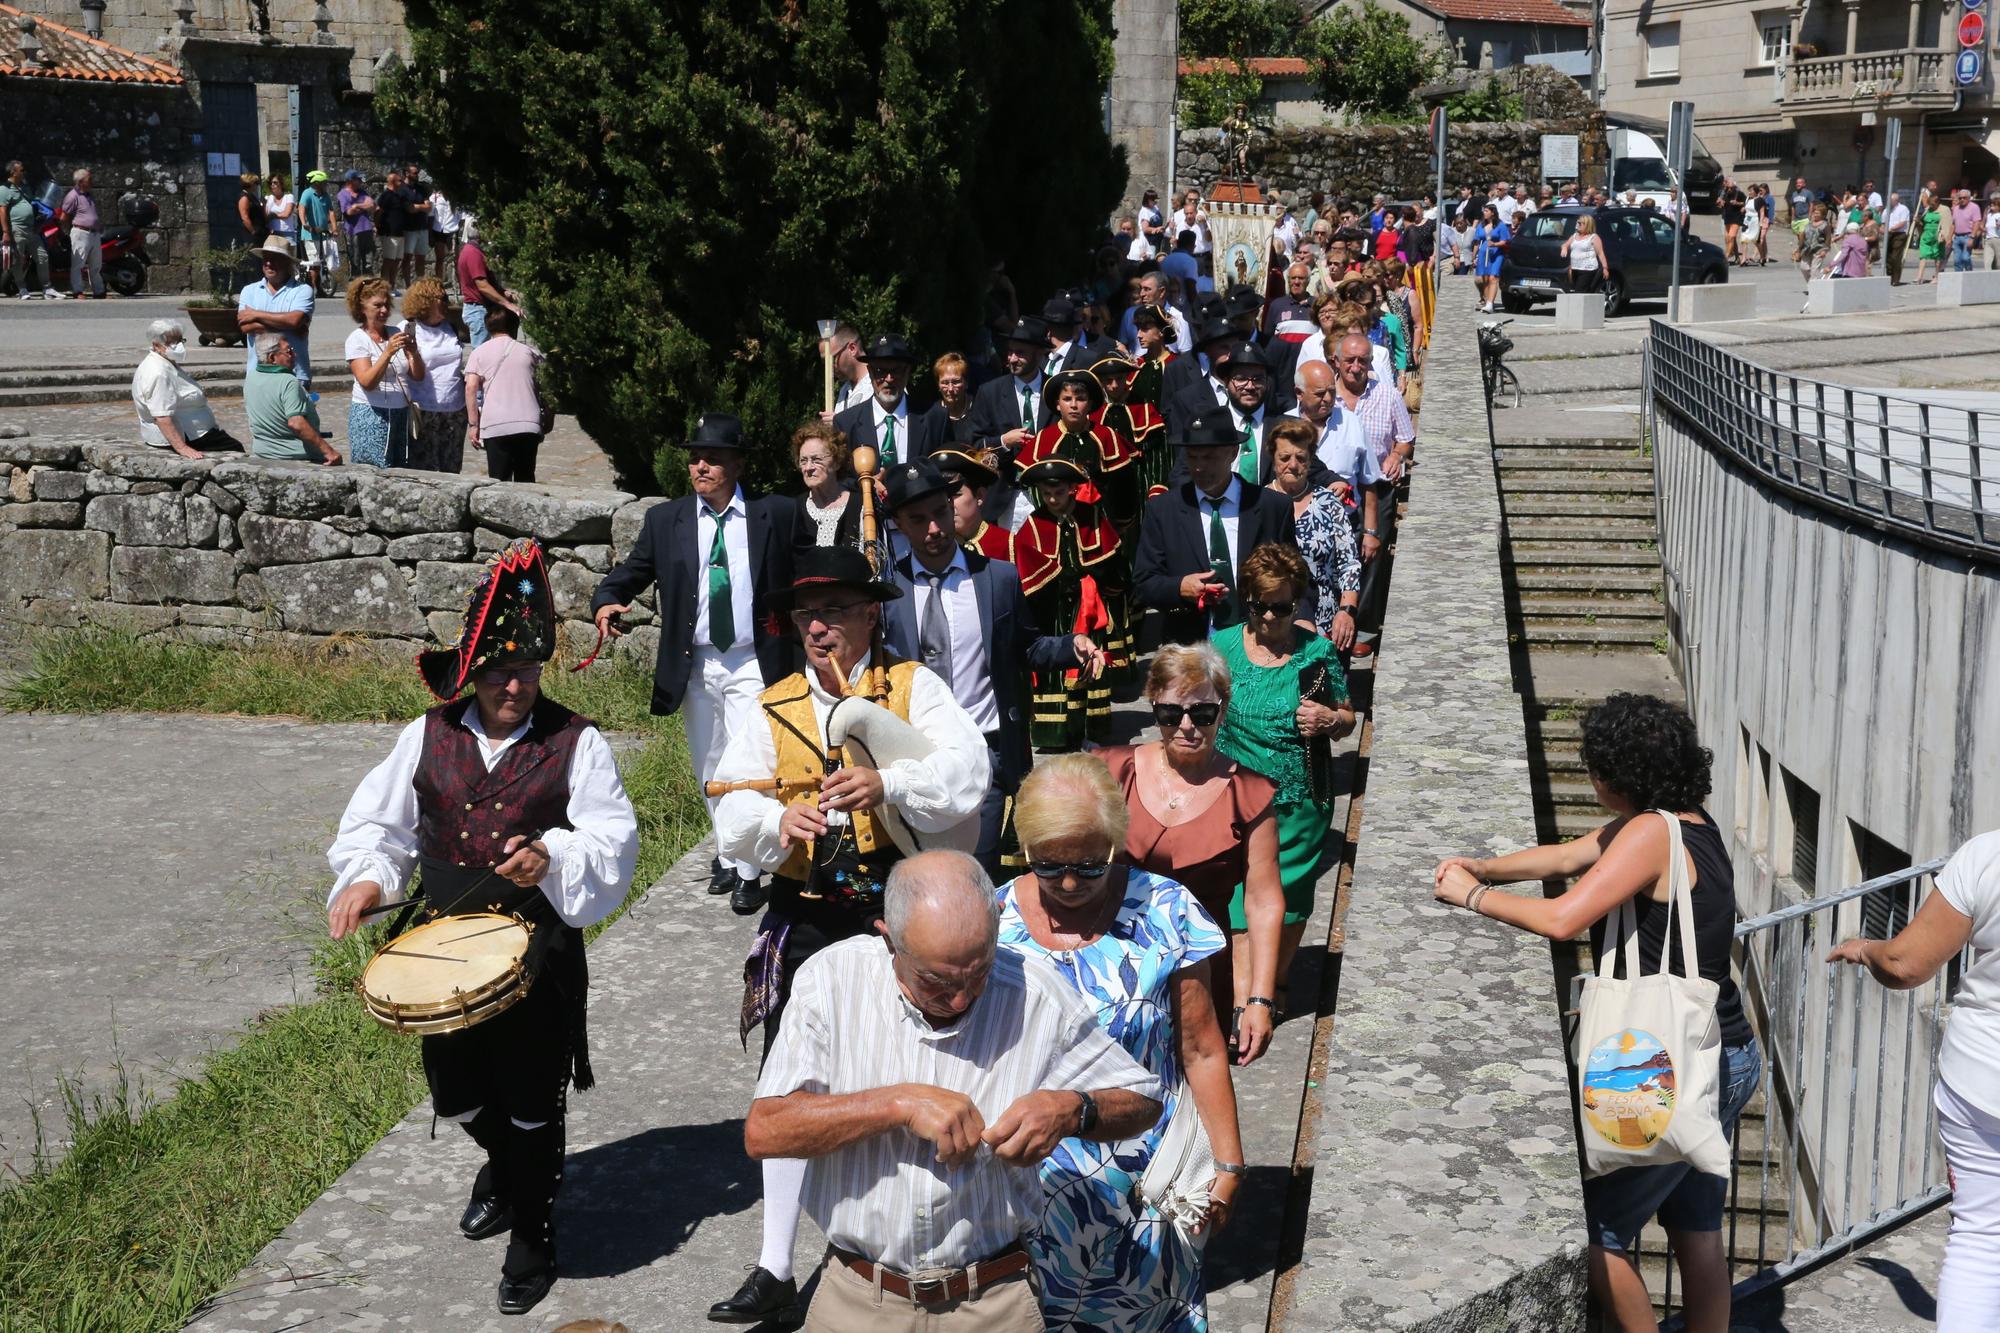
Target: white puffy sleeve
378, 830
591, 864
945, 789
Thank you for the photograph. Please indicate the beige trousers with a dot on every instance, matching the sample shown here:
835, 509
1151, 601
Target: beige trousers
845, 1303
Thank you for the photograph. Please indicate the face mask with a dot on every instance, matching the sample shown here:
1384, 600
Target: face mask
177, 352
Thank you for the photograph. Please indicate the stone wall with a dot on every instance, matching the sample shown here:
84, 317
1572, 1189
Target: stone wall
242, 551
1145, 51
1355, 162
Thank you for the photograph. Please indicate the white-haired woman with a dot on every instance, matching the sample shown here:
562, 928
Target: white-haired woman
1138, 947
173, 411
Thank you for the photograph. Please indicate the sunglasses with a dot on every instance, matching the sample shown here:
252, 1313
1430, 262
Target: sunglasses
1170, 715
1081, 869
1280, 609
502, 675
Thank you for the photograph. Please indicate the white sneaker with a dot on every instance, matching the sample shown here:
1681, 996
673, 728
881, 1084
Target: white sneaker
51, 294
31, 296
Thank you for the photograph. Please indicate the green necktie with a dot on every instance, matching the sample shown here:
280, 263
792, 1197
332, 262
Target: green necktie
889, 441
1223, 613
721, 608
1027, 410
1246, 457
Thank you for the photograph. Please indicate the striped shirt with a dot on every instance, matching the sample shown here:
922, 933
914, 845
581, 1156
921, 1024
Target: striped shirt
1385, 418
848, 1029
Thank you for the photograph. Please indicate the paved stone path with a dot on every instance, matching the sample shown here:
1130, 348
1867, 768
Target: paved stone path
155, 874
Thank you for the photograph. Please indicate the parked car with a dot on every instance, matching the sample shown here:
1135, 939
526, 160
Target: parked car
1638, 249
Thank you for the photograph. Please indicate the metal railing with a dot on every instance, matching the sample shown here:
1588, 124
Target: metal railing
1846, 1147
1900, 463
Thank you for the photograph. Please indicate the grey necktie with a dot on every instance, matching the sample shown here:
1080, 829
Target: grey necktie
934, 634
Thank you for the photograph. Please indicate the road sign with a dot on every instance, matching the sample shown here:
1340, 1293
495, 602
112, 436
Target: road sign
1680, 138
1972, 30
1438, 129
1970, 4
1559, 157
1970, 65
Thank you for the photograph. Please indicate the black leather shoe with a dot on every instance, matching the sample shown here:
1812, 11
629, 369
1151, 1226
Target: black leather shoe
518, 1295
486, 1215
745, 898
760, 1297
721, 879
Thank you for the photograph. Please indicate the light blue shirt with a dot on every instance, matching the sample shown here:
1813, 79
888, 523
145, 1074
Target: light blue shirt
294, 295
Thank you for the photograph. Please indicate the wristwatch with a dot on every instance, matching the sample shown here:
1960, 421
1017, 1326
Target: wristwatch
1343, 610
1087, 1114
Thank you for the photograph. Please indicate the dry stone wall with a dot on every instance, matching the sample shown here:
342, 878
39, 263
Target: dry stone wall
240, 550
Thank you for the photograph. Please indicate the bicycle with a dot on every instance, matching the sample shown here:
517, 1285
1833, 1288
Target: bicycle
1503, 389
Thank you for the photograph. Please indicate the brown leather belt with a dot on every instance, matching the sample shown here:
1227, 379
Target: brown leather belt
943, 1290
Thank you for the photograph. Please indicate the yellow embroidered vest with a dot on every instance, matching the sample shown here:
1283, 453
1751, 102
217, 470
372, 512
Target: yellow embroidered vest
801, 746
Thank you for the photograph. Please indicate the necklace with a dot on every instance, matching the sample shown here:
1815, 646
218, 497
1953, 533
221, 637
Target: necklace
1174, 799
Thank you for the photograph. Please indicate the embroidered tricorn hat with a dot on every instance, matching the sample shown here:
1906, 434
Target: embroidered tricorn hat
510, 620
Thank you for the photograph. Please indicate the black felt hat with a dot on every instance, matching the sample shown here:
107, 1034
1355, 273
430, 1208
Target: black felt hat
1241, 354
1213, 429
1058, 312
908, 483
1240, 301
717, 430
972, 469
889, 347
1028, 329
1214, 331
510, 620
833, 567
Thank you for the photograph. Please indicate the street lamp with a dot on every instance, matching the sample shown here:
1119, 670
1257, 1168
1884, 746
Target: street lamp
826, 328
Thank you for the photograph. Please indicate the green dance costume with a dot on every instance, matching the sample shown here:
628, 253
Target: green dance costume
1260, 731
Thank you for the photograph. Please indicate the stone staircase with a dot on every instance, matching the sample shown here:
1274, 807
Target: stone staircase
1580, 530
111, 381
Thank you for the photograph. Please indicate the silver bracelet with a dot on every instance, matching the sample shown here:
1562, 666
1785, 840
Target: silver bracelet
1232, 1168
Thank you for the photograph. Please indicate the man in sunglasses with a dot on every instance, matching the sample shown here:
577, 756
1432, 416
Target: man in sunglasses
508, 802
824, 835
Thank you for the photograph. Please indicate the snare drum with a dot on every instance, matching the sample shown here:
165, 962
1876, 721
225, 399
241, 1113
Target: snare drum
449, 974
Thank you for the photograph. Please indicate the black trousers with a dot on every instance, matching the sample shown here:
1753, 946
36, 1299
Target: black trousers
1375, 574
511, 457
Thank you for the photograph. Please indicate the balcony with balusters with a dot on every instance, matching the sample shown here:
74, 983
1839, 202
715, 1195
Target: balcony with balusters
1909, 79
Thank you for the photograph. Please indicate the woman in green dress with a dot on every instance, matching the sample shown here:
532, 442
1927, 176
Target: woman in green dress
1289, 695
1930, 237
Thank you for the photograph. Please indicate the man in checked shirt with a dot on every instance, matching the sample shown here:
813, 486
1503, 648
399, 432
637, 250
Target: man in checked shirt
925, 1074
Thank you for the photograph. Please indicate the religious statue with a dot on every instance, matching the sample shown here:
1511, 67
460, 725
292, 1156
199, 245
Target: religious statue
1236, 142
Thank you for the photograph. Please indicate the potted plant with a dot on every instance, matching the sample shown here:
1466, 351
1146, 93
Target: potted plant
1805, 51
214, 315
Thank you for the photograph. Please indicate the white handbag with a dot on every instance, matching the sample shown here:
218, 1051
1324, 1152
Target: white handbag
1178, 1179
1648, 1048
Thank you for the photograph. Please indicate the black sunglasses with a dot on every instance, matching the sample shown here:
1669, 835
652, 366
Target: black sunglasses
1170, 715
1280, 609
1057, 869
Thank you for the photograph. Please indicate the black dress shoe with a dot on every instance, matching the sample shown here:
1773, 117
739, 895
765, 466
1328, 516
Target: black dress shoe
721, 879
486, 1215
760, 1297
518, 1295
747, 897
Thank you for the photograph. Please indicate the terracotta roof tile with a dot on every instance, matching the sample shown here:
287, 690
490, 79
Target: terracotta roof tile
1509, 11
1270, 67
69, 54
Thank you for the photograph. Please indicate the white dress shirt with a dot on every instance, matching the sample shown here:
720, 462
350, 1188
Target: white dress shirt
1898, 219
1344, 451
931, 794
971, 673
1183, 339
1253, 422
162, 389
1232, 510
735, 545
1218, 388
590, 865
901, 412
848, 395
1053, 361
849, 1029
1033, 385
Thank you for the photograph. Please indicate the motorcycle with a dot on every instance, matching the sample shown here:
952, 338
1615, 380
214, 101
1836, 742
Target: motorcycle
125, 258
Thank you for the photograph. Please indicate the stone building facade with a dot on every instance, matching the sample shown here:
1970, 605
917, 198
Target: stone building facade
172, 99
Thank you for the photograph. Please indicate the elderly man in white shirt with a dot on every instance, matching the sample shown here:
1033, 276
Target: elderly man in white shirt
829, 833
173, 411
924, 1076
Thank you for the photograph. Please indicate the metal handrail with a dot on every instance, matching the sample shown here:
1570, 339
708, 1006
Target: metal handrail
1885, 459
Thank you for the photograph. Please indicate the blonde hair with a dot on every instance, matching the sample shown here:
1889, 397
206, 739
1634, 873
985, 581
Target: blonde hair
363, 290
1188, 666
422, 299
1586, 225
1069, 796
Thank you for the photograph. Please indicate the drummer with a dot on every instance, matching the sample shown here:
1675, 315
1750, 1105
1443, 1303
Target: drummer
829, 850
511, 781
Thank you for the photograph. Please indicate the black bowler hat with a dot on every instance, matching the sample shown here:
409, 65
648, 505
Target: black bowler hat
1241, 301
1240, 354
716, 430
1214, 331
1054, 469
833, 567
1058, 311
889, 347
1212, 306
1028, 329
910, 482
971, 469
1213, 429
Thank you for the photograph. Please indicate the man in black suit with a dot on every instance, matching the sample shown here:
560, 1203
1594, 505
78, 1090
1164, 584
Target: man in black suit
1243, 376
963, 616
1244, 310
1193, 539
1189, 386
718, 557
886, 419
1009, 409
1067, 348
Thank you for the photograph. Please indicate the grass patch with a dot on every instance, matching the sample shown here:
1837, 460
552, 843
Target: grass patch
158, 1205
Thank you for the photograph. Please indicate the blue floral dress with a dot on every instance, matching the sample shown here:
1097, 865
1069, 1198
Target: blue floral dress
1104, 1265
1326, 540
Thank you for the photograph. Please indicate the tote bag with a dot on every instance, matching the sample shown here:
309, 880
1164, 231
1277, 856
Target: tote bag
1648, 1048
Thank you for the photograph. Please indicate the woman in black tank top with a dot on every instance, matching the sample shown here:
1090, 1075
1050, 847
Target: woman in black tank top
1642, 755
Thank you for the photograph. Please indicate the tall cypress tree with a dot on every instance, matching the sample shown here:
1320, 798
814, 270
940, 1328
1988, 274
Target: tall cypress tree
680, 190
